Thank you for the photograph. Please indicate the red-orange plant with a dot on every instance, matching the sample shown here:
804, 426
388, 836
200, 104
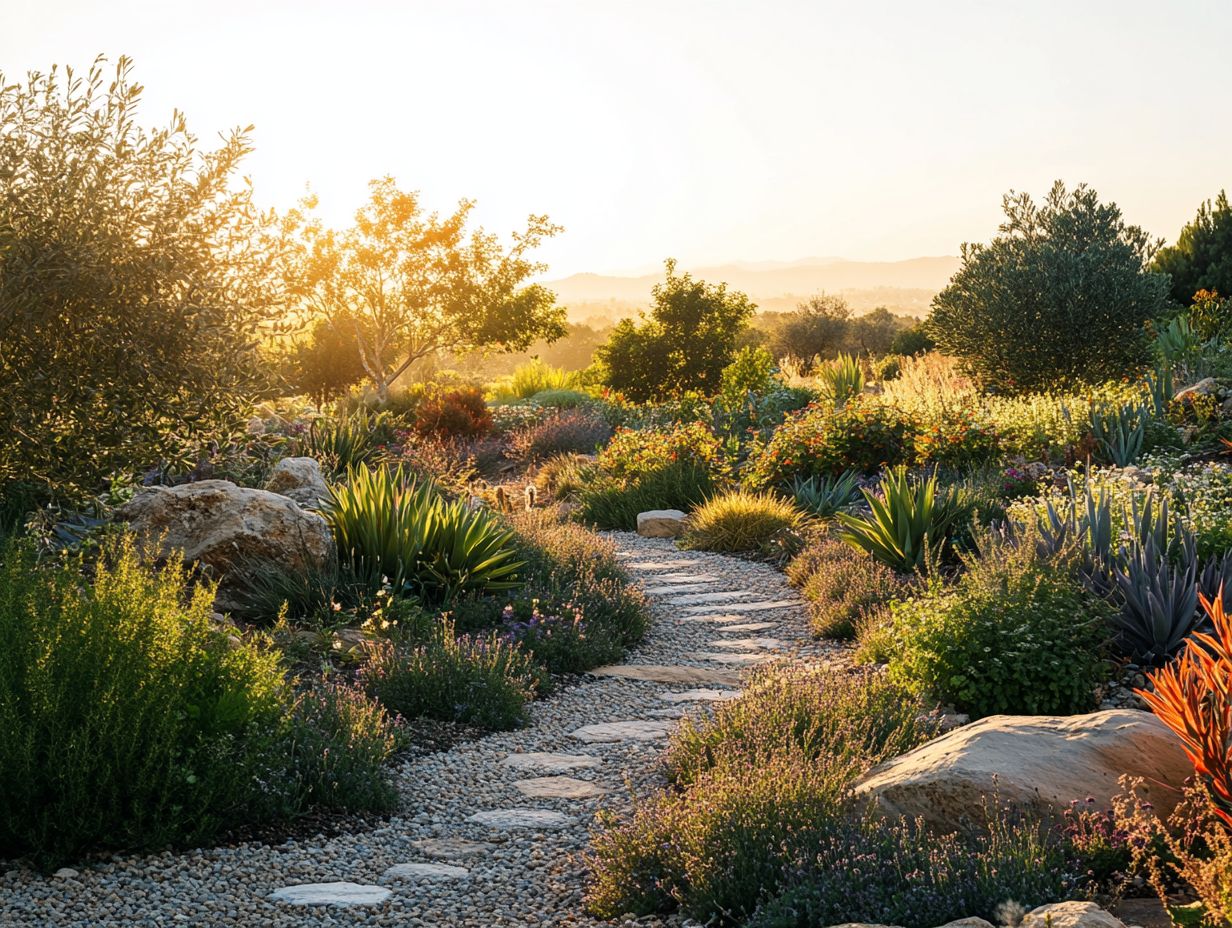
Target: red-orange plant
1193, 697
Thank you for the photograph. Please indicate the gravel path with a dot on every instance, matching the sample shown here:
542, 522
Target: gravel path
492, 830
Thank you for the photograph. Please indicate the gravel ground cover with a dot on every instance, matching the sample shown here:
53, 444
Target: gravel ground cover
492, 830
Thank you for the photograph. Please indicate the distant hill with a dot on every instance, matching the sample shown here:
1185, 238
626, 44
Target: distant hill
902, 286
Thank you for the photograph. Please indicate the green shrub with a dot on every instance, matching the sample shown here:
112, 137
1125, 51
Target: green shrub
909, 521
956, 439
841, 380
532, 378
887, 367
843, 586
615, 504
740, 520
818, 441
1016, 635
562, 399
635, 453
750, 372
390, 530
1199, 259
912, 341
476, 680
131, 723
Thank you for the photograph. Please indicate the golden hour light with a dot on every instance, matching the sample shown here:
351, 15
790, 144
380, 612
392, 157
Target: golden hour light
744, 465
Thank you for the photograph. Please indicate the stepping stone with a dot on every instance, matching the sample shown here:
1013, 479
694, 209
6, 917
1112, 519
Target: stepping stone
331, 894
558, 788
665, 565
718, 618
748, 627
552, 763
522, 818
664, 673
759, 606
747, 644
686, 578
450, 848
696, 599
741, 658
632, 730
670, 712
700, 696
676, 588
425, 872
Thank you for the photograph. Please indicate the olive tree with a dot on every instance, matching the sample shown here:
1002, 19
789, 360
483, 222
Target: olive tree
405, 284
135, 283
1062, 294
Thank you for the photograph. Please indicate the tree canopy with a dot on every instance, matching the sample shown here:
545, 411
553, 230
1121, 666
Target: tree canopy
135, 282
1201, 259
1063, 293
689, 337
407, 284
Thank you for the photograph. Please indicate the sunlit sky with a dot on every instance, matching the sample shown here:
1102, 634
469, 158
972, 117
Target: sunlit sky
711, 131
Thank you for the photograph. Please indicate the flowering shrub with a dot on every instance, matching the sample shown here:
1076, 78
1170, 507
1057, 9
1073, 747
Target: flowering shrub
957, 439
632, 453
460, 412
513, 417
843, 586
570, 432
820, 440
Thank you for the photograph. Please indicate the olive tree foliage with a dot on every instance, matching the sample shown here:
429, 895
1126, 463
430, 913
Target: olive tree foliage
1062, 294
690, 336
136, 283
1201, 259
405, 284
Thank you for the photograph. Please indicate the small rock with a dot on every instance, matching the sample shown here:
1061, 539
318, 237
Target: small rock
661, 523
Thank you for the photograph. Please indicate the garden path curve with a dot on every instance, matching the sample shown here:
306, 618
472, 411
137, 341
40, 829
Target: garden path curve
494, 829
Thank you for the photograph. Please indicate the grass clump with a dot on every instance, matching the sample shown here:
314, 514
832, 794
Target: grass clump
615, 503
131, 723
740, 520
844, 587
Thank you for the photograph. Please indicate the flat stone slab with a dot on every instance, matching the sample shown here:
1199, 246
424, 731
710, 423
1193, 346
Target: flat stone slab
747, 644
760, 606
748, 627
719, 596
331, 894
739, 657
631, 730
670, 712
551, 763
558, 788
686, 578
451, 848
700, 695
542, 819
717, 618
670, 588
665, 565
419, 871
669, 673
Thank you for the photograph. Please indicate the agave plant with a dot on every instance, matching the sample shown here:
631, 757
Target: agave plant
1157, 600
345, 443
825, 495
392, 529
1120, 431
909, 522
841, 380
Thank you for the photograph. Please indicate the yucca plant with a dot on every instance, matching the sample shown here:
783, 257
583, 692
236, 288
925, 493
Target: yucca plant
394, 530
910, 521
824, 495
1193, 697
344, 443
1120, 431
841, 380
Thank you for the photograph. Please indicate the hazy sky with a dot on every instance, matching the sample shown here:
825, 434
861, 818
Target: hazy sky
706, 130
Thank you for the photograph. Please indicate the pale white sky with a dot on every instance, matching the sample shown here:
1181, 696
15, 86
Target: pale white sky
706, 130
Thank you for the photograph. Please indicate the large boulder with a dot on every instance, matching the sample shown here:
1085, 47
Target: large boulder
1041, 763
661, 523
299, 479
1071, 915
229, 529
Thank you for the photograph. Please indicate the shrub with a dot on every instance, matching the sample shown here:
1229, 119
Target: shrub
571, 432
841, 380
901, 873
633, 453
1063, 294
562, 399
454, 413
750, 372
684, 346
131, 323
131, 723
887, 367
825, 495
740, 520
390, 530
564, 476
819, 441
533, 377
909, 521
912, 341
1200, 258
843, 586
1016, 635
956, 439
476, 680
615, 504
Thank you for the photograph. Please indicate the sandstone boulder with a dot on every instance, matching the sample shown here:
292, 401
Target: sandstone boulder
1071, 915
228, 529
1038, 762
299, 479
661, 523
